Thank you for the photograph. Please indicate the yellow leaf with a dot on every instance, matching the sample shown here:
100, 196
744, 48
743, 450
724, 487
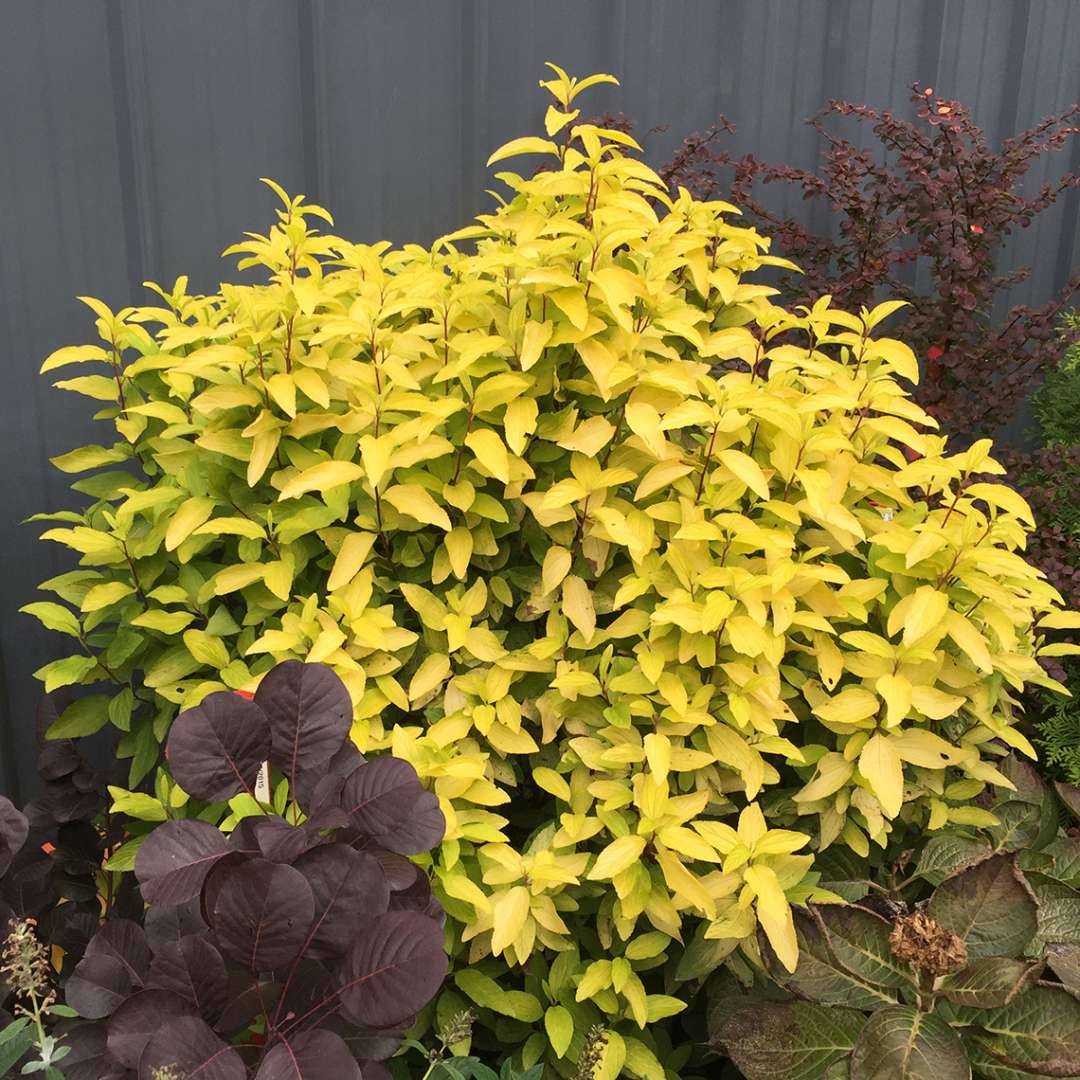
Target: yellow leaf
459, 549
416, 502
283, 390
612, 1057
233, 578
658, 755
430, 674
924, 749
850, 706
970, 641
312, 384
101, 596
519, 423
644, 421
600, 361
351, 557
882, 768
550, 781
533, 340
375, 454
490, 452
559, 1025
527, 144
322, 477
73, 354
747, 470
616, 857
774, 914
556, 567
577, 605
192, 514
832, 773
509, 911
896, 690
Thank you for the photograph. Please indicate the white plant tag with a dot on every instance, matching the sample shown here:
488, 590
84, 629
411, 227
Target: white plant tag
262, 783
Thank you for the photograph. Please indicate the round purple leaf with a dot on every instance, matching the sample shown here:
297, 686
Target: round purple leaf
262, 914
310, 713
14, 828
175, 858
194, 969
312, 1055
114, 966
172, 923
394, 967
349, 886
87, 1056
216, 749
138, 1019
387, 802
189, 1046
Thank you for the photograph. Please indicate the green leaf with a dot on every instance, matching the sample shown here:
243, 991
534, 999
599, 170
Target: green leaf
82, 717
54, 617
788, 1041
859, 940
1059, 911
14, 1047
559, 1025
63, 1010
990, 906
11, 1030
1039, 1031
949, 853
901, 1043
137, 805
123, 858
65, 672
90, 457
487, 993
1064, 960
990, 982
819, 977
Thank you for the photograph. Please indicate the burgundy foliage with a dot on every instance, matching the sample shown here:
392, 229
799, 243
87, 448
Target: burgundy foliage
931, 195
285, 950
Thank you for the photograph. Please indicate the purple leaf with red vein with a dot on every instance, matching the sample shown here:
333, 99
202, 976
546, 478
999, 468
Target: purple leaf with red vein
393, 969
346, 884
309, 712
313, 1055
262, 914
386, 800
192, 1049
215, 750
175, 858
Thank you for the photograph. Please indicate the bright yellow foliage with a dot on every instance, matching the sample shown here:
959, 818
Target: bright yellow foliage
626, 558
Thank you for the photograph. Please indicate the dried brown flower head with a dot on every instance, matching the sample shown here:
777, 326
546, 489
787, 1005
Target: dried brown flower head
458, 1028
927, 944
25, 963
595, 1041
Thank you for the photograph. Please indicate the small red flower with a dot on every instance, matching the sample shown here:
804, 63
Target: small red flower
935, 352
48, 848
978, 230
245, 694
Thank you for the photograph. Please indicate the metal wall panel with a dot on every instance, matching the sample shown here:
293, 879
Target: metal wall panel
133, 133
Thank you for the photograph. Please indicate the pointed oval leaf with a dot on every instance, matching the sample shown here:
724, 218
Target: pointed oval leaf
14, 829
991, 982
194, 970
191, 1048
310, 713
788, 1040
990, 906
345, 884
133, 1024
114, 964
1039, 1032
312, 1055
262, 914
216, 749
394, 967
175, 858
386, 801
901, 1043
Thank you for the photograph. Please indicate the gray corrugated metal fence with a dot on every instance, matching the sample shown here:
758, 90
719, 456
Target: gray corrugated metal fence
134, 130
